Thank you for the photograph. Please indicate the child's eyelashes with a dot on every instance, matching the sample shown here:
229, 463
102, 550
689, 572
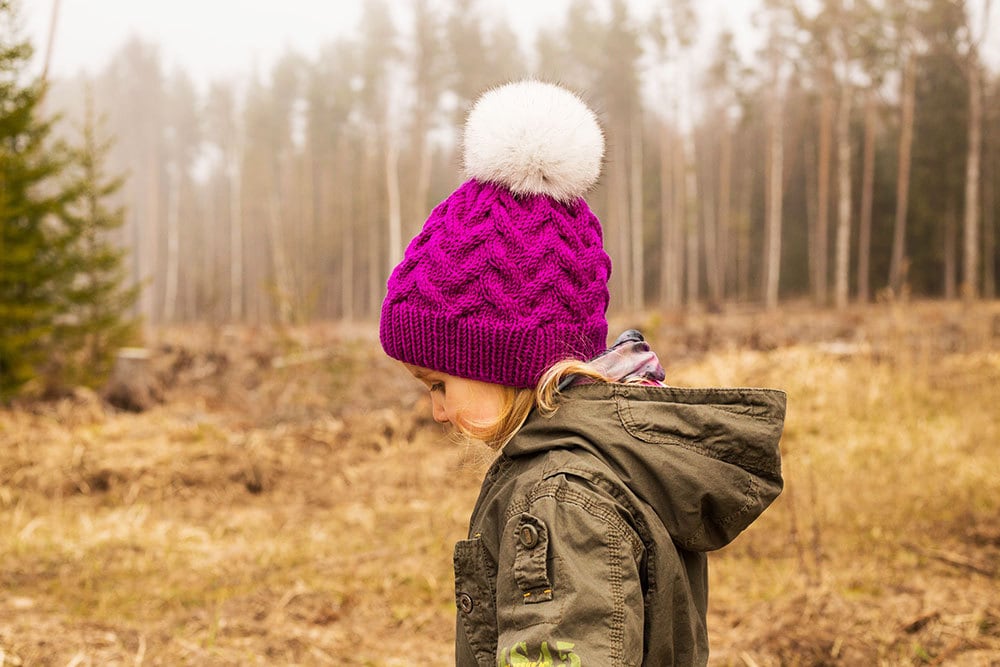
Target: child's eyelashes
436, 386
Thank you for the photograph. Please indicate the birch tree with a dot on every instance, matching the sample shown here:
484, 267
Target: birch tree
972, 65
819, 238
991, 175
781, 27
672, 32
842, 49
874, 57
224, 129
619, 87
722, 89
331, 139
428, 75
134, 80
906, 51
183, 135
379, 49
285, 81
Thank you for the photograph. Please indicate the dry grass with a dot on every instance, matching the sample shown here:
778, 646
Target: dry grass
306, 514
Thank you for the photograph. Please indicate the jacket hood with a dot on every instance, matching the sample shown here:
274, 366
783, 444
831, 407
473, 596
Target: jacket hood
706, 460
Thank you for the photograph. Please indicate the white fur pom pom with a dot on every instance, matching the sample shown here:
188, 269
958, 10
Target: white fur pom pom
534, 138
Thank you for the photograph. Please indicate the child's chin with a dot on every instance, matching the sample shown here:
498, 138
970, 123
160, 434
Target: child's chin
472, 433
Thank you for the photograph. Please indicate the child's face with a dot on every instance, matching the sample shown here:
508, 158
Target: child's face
465, 404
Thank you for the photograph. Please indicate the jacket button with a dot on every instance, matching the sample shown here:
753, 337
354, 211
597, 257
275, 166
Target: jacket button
465, 602
528, 535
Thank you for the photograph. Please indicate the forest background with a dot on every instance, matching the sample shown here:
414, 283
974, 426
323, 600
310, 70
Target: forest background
853, 153
817, 213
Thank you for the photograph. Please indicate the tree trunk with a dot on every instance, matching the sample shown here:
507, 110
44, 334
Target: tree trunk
636, 216
724, 224
679, 214
810, 178
132, 385
146, 228
208, 301
279, 262
310, 243
820, 252
257, 257
368, 219
707, 202
376, 232
775, 177
54, 21
618, 207
949, 252
347, 222
989, 224
392, 195
743, 237
192, 247
867, 198
234, 178
423, 186
897, 267
666, 217
329, 235
841, 286
691, 222
970, 272
173, 242
320, 249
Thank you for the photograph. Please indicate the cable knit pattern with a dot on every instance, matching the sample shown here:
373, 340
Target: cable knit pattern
497, 287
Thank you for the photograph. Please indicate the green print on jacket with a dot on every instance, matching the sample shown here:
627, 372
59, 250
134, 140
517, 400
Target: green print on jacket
518, 656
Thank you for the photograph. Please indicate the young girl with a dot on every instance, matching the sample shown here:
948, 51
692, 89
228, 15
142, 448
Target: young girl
587, 546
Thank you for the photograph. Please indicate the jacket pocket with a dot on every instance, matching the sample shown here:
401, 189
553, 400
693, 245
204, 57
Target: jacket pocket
531, 556
528, 592
475, 600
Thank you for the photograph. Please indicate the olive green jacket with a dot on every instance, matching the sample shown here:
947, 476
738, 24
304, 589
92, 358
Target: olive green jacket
587, 544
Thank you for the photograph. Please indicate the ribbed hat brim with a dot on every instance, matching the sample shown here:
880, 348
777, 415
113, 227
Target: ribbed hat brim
497, 352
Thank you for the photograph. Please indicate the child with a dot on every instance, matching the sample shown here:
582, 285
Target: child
587, 544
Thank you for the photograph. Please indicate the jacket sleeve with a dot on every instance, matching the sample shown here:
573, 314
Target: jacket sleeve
568, 589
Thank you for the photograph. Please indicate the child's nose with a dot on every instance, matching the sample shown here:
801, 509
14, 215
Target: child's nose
438, 411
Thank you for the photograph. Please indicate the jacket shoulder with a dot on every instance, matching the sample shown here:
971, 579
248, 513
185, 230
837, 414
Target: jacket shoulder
565, 475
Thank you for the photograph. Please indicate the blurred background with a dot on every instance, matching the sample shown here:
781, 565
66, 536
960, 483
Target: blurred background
205, 458
276, 162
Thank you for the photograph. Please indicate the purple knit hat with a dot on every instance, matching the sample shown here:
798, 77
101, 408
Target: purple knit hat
509, 274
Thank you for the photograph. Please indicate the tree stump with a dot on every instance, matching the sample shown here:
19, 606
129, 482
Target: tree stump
132, 386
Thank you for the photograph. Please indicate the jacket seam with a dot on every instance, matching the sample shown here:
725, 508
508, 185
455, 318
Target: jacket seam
760, 411
624, 410
751, 494
581, 500
640, 536
616, 579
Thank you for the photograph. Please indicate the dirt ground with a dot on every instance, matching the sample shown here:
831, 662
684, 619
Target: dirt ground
291, 502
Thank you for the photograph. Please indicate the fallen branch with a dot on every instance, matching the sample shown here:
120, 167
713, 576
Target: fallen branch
920, 622
954, 559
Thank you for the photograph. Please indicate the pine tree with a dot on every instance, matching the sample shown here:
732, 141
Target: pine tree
62, 303
93, 302
30, 200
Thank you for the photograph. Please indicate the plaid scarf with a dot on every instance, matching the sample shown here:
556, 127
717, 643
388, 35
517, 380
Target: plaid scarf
629, 360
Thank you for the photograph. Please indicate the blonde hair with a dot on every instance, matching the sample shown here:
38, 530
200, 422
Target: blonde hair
517, 403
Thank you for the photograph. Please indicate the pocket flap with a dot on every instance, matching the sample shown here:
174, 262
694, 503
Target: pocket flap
531, 556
